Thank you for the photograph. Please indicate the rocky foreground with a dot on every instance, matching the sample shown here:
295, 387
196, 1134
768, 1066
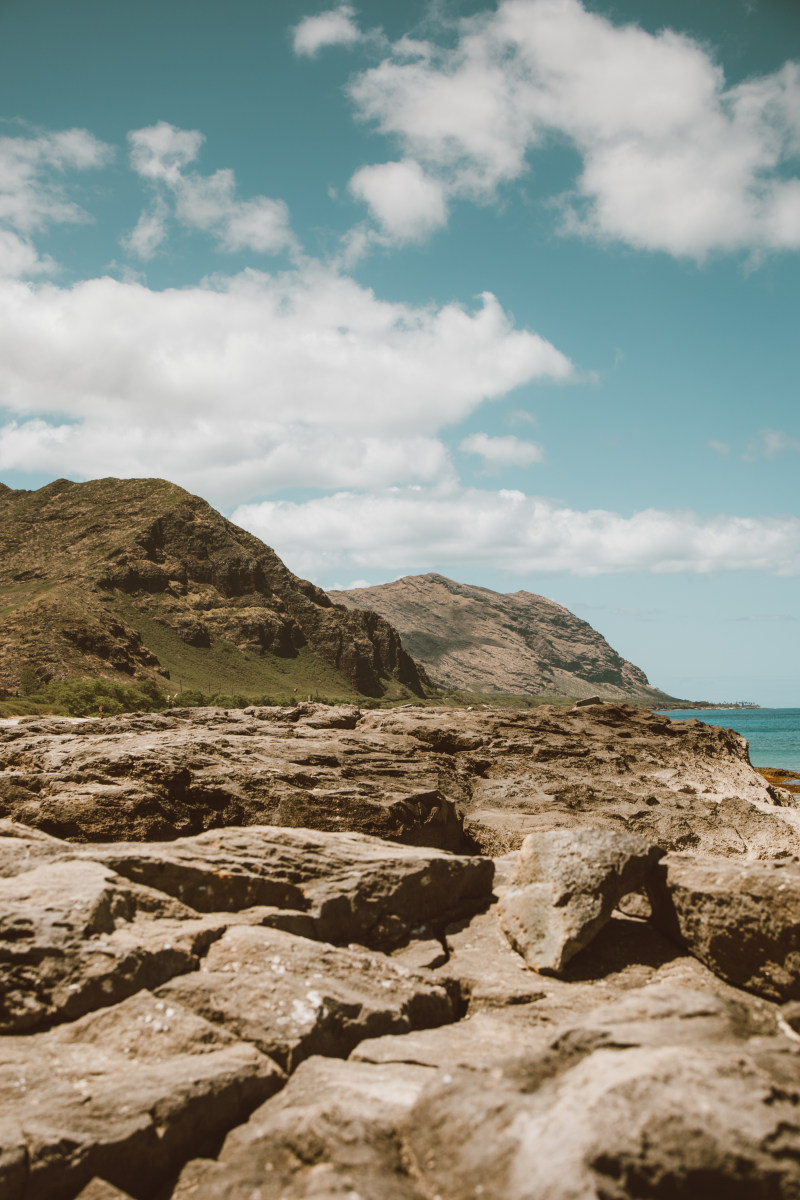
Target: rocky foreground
217, 983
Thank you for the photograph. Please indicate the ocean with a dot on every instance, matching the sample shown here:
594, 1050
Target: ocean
773, 733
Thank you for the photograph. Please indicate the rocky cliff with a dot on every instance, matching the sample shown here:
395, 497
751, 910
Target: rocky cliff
240, 1008
476, 640
139, 578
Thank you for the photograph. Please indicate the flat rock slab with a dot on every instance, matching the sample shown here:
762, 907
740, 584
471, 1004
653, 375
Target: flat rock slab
293, 997
742, 919
343, 887
669, 1096
330, 1133
74, 936
126, 1094
422, 776
565, 887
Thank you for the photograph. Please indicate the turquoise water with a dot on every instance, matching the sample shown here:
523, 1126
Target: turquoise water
773, 733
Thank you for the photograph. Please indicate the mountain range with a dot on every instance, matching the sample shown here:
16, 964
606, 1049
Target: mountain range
139, 579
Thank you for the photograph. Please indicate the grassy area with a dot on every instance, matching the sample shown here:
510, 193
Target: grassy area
224, 669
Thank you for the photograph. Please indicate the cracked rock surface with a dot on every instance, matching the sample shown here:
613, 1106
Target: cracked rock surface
260, 1011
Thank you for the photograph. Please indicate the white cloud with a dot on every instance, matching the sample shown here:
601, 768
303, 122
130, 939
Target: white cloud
673, 159
255, 383
721, 448
770, 443
415, 529
20, 259
335, 27
499, 452
407, 204
161, 151
149, 233
32, 193
160, 154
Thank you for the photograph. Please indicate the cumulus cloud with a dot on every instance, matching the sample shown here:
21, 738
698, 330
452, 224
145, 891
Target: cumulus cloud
33, 194
149, 232
19, 258
499, 452
255, 383
414, 529
405, 202
672, 158
161, 151
335, 27
160, 154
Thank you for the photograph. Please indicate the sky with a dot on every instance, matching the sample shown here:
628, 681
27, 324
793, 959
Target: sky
507, 292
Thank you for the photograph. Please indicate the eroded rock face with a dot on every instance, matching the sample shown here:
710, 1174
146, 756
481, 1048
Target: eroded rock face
741, 919
124, 1094
285, 1013
565, 887
448, 778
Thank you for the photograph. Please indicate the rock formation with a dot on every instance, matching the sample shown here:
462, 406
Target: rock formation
138, 578
476, 640
199, 1001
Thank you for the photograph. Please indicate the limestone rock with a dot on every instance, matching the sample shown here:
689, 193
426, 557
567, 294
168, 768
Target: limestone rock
639, 1107
294, 998
330, 1133
566, 886
99, 1189
448, 778
74, 936
123, 1094
742, 919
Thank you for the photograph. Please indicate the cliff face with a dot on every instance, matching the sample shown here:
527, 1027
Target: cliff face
478, 640
140, 577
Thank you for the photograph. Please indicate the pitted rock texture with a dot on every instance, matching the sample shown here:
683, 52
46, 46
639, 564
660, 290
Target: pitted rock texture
449, 778
741, 919
565, 887
285, 1013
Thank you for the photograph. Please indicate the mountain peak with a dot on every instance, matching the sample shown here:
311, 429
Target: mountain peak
474, 639
140, 577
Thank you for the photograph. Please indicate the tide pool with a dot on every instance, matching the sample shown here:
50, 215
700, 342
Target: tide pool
773, 733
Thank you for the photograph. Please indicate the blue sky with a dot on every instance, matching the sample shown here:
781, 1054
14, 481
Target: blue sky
507, 292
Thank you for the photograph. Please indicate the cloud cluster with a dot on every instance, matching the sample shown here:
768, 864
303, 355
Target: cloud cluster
672, 158
32, 192
256, 383
500, 452
160, 155
335, 27
418, 528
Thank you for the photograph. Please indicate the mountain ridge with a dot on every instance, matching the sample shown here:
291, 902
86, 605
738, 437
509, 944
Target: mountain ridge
140, 578
473, 639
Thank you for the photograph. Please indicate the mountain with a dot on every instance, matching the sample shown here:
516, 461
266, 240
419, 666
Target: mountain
476, 640
137, 578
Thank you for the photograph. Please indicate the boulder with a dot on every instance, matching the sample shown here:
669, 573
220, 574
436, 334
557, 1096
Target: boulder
124, 1094
742, 919
566, 885
670, 1097
74, 936
293, 997
332, 1132
454, 779
343, 887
